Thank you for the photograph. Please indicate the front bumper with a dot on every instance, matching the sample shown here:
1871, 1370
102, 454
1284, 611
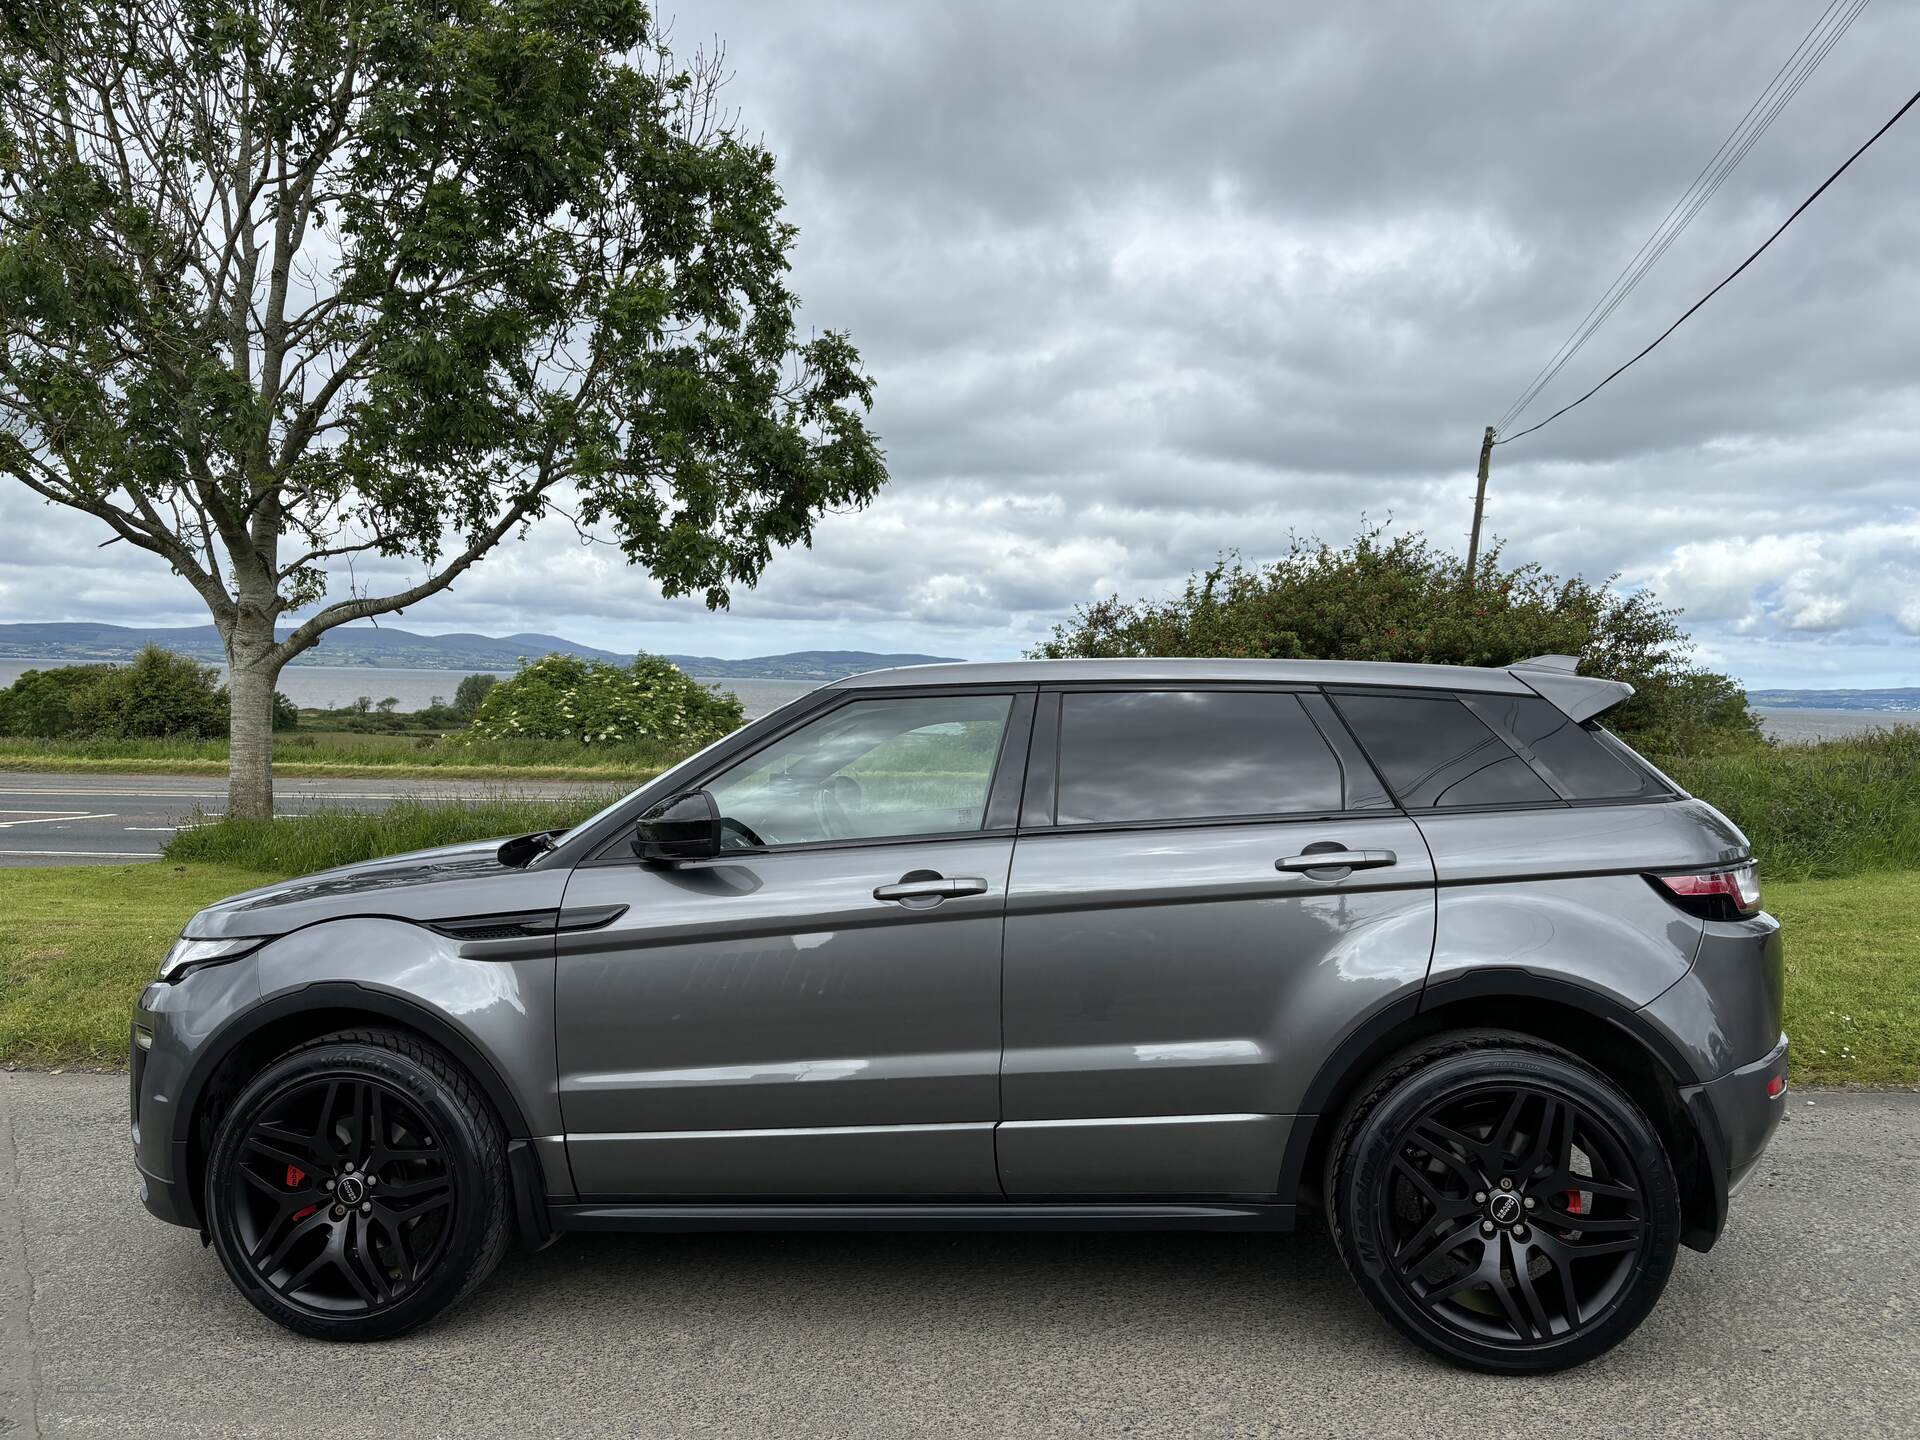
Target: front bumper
173, 1027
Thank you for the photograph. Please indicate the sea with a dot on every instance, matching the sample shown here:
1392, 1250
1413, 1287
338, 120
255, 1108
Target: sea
329, 687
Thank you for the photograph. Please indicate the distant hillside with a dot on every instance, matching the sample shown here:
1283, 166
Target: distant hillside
1872, 700
385, 648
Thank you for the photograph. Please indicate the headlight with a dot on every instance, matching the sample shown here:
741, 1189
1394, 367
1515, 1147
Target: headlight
191, 954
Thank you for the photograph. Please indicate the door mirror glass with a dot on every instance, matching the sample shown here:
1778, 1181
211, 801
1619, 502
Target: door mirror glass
681, 827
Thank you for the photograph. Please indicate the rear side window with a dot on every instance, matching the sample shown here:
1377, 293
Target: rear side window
1437, 755
1585, 769
1190, 755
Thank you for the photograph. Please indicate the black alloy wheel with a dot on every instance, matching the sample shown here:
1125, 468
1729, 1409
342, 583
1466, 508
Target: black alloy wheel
357, 1187
1508, 1208
341, 1197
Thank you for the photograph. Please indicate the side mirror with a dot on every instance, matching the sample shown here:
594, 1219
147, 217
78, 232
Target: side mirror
681, 827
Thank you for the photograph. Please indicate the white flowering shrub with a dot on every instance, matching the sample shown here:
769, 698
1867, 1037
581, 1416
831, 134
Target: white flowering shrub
650, 702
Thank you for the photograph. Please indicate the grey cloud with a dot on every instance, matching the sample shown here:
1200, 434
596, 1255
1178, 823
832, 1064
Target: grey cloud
1144, 282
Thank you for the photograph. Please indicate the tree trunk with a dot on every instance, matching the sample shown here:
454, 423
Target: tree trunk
253, 669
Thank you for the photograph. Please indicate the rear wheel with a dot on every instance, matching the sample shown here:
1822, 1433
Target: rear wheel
1503, 1204
357, 1187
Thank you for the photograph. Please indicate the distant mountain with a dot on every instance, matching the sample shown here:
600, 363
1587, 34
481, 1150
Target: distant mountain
1875, 700
385, 648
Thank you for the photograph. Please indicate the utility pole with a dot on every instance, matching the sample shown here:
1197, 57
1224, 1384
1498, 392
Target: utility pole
1479, 507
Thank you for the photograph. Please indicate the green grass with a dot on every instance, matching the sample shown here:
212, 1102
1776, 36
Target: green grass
347, 753
1853, 977
299, 845
77, 944
1818, 811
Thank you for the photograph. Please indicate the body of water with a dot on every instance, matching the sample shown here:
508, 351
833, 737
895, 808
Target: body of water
329, 687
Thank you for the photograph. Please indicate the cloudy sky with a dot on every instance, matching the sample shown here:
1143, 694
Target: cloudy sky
1141, 282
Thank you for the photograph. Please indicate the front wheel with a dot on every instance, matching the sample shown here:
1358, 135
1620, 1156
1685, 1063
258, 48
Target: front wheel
357, 1187
1504, 1205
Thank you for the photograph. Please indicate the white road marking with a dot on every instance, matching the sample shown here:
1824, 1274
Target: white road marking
150, 827
87, 854
53, 819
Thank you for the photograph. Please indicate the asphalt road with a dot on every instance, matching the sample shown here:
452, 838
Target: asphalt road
1804, 1321
65, 819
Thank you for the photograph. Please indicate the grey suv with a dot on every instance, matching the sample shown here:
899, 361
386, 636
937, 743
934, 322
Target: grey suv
1068, 944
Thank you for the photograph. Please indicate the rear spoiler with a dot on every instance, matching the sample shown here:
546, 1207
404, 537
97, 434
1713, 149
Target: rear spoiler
1578, 697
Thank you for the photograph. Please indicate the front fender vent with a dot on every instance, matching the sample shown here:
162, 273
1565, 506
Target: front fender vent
526, 924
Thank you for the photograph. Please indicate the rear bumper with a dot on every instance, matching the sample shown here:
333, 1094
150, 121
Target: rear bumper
1735, 1117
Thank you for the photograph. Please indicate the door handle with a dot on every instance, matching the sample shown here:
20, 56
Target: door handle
930, 888
1337, 860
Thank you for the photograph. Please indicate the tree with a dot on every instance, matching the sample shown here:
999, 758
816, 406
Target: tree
1398, 598
470, 692
293, 283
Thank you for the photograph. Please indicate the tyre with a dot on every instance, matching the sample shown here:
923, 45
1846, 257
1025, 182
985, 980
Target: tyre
1503, 1204
357, 1187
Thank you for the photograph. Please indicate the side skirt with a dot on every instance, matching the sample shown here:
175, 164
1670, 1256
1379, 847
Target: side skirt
976, 1215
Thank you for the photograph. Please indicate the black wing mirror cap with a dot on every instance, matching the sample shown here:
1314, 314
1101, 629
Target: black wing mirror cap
681, 827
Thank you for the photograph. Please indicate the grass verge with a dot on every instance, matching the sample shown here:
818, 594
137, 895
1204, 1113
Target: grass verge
299, 845
77, 944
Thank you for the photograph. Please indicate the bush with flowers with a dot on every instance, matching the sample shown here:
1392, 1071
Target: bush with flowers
649, 703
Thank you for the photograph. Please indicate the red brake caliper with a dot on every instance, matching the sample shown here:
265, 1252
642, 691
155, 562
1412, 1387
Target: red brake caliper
1573, 1202
295, 1176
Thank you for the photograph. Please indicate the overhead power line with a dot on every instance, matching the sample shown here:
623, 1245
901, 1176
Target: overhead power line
1793, 73
1798, 211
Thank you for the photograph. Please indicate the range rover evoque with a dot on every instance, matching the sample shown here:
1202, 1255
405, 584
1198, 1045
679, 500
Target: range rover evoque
1422, 950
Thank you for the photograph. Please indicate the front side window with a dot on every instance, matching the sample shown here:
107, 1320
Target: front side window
871, 769
1130, 756
1437, 755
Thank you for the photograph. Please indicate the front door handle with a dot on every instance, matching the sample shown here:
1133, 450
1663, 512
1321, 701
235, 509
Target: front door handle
1337, 860
921, 888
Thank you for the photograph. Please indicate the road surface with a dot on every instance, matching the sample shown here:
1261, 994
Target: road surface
66, 819
1805, 1320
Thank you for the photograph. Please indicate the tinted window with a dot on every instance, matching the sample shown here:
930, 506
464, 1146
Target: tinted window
1583, 768
1190, 754
1435, 754
869, 769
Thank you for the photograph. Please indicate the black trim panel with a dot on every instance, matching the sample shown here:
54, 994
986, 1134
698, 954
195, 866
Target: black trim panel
928, 1215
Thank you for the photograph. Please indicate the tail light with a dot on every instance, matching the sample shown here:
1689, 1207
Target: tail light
1730, 894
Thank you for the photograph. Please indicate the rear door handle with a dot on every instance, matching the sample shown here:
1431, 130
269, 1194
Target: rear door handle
930, 889
1338, 860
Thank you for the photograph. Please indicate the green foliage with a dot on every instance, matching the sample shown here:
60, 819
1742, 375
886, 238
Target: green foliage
286, 716
1838, 807
593, 703
471, 691
159, 694
1399, 598
39, 705
301, 844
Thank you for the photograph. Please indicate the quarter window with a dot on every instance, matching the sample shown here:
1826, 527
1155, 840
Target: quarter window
870, 769
1188, 755
1585, 770
1437, 755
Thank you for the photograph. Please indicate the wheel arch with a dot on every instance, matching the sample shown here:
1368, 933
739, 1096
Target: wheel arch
1602, 1031
255, 1036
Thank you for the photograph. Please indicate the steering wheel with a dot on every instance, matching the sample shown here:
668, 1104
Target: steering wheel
831, 803
746, 833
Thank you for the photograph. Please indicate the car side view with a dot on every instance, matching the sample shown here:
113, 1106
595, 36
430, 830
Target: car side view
1420, 950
